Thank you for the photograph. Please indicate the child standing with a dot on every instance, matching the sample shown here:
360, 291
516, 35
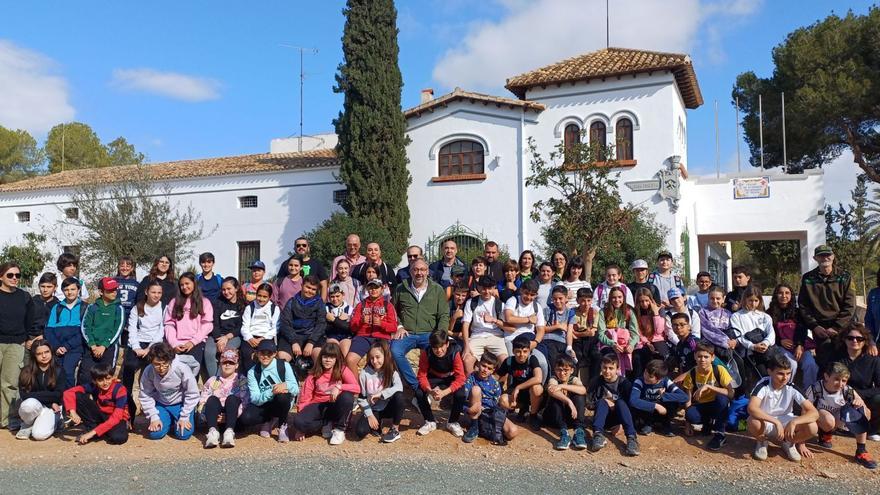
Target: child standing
710, 389
259, 322
101, 328
303, 323
64, 329
41, 385
509, 286
607, 394
68, 266
441, 373
771, 416
655, 398
208, 281
168, 394
227, 394
742, 278
162, 271
272, 387
338, 318
43, 302
482, 392
327, 397
99, 406
566, 403
189, 319
381, 394
146, 328
612, 281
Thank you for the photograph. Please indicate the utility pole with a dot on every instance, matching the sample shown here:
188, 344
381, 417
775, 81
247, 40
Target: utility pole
607, 26
784, 151
761, 128
302, 79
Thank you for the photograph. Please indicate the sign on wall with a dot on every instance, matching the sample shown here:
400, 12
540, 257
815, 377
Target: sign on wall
751, 188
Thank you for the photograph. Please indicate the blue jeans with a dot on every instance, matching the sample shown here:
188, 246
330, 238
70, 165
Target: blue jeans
400, 347
169, 415
606, 417
707, 413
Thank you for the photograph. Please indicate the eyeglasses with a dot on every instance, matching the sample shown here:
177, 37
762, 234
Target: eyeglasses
412, 256
855, 338
13, 275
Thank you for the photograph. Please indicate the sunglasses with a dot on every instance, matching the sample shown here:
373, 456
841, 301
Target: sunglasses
854, 338
412, 256
13, 275
302, 245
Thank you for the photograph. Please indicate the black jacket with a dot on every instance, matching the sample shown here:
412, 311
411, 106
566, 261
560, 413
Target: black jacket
227, 319
864, 373
47, 396
41, 313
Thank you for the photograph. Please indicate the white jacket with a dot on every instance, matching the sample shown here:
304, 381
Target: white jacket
260, 321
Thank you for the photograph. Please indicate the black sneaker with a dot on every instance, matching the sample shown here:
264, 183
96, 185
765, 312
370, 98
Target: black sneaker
535, 422
646, 429
666, 431
632, 446
391, 436
717, 442
598, 442
520, 417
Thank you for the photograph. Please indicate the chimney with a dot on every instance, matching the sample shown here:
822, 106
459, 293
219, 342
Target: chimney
427, 95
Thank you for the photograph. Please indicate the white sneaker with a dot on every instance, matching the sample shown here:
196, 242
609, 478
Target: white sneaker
760, 451
213, 438
456, 429
791, 452
426, 428
326, 430
266, 429
23, 433
228, 438
337, 437
874, 438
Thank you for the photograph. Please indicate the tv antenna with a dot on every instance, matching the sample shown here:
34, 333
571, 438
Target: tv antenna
302, 79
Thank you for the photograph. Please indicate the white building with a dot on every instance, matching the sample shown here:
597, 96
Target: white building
468, 160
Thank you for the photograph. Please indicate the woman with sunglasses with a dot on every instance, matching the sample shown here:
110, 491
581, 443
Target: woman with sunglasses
864, 371
16, 325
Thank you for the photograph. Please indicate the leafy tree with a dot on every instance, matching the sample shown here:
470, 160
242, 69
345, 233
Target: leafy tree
856, 241
77, 145
135, 218
29, 256
830, 73
327, 241
774, 261
371, 127
121, 152
20, 157
585, 214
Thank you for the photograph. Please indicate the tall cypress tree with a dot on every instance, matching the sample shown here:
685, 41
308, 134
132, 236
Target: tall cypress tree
371, 127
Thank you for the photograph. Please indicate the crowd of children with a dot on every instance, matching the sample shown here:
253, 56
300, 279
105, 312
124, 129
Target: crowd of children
535, 347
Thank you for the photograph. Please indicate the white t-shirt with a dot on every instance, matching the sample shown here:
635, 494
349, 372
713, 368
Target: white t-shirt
832, 403
477, 318
572, 290
524, 311
777, 403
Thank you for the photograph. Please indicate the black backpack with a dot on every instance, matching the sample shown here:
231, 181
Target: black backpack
499, 307
279, 364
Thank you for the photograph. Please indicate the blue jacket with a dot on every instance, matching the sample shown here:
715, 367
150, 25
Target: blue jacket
435, 271
644, 397
261, 391
210, 287
63, 329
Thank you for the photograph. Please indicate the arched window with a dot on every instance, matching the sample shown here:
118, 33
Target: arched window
597, 134
461, 158
571, 139
624, 136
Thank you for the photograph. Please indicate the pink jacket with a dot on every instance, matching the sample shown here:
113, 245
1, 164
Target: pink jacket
222, 388
659, 329
187, 329
314, 391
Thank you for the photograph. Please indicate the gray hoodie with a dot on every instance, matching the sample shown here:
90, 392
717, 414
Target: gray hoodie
371, 383
176, 387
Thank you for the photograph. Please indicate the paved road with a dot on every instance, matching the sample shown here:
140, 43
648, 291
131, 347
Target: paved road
329, 475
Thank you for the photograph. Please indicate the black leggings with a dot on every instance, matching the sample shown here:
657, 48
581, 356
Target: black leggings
558, 415
213, 408
458, 399
92, 416
642, 356
131, 364
277, 408
311, 419
393, 409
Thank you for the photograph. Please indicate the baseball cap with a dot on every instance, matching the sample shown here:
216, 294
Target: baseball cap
229, 356
376, 282
638, 264
664, 254
108, 284
266, 345
335, 288
674, 292
257, 265
822, 249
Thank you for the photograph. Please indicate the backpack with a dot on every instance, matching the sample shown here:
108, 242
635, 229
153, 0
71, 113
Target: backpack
715, 372
819, 393
491, 424
279, 365
59, 307
675, 280
253, 306
499, 307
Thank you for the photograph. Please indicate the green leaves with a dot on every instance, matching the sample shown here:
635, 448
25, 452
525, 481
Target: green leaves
29, 256
20, 157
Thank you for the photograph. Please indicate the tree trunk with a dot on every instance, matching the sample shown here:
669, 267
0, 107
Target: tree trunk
588, 256
859, 157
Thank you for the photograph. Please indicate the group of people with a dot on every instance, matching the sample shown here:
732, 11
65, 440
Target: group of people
515, 344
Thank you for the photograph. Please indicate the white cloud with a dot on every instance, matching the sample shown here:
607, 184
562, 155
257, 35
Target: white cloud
171, 84
540, 32
33, 97
840, 179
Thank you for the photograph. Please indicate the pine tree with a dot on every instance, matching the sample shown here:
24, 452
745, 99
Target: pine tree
371, 127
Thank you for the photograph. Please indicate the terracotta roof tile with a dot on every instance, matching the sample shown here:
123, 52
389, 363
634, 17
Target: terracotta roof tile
613, 62
184, 169
461, 95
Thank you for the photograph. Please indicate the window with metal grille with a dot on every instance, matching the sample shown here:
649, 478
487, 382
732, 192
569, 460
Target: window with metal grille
461, 158
571, 139
597, 134
23, 216
624, 136
248, 252
340, 196
247, 202
71, 213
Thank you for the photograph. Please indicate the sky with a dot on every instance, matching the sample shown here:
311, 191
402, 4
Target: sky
203, 78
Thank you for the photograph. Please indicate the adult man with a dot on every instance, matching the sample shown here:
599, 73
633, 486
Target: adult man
352, 254
374, 257
441, 270
421, 308
413, 253
495, 267
664, 278
639, 269
826, 302
310, 266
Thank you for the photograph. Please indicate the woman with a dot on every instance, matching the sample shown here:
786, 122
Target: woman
41, 385
546, 284
16, 322
574, 279
527, 268
559, 260
791, 334
864, 371
228, 310
163, 271
189, 319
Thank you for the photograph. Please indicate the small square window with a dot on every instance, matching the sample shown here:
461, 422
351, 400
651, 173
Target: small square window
23, 216
340, 196
247, 202
72, 213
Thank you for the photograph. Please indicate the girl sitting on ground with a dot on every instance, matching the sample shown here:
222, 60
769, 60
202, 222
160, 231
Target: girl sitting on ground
224, 394
327, 397
381, 394
40, 387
